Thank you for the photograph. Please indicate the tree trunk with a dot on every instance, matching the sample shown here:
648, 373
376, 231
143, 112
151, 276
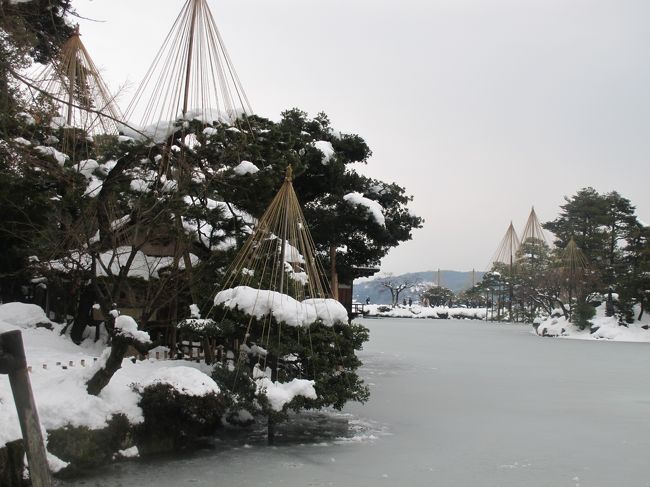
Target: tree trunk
114, 362
119, 347
334, 274
609, 304
83, 316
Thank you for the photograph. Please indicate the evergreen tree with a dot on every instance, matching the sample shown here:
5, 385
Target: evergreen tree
635, 283
29, 31
583, 218
602, 226
437, 296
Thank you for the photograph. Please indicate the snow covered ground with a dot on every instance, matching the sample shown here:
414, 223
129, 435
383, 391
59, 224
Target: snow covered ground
60, 369
417, 311
608, 328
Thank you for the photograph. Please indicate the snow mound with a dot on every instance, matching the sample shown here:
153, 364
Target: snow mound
5, 327
59, 380
260, 302
132, 452
22, 315
554, 327
603, 327
185, 380
417, 311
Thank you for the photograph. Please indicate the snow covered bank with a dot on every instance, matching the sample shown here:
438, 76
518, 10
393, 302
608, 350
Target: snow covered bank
58, 378
417, 311
603, 328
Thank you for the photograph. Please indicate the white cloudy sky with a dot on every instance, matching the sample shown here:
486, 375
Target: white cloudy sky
480, 108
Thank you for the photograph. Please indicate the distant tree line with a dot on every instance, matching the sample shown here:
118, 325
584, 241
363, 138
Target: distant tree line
601, 254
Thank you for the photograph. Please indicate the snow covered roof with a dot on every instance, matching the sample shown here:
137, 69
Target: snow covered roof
142, 266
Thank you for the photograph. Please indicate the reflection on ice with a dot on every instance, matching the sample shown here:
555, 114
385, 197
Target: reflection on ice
309, 428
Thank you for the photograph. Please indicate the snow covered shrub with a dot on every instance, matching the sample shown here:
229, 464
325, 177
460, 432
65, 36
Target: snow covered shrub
582, 313
173, 420
84, 448
319, 353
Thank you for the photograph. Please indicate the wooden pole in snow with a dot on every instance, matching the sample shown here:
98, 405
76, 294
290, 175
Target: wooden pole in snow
14, 363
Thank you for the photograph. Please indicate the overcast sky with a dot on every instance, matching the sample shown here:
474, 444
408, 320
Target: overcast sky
480, 108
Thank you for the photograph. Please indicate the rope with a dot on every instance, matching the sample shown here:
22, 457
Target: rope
192, 71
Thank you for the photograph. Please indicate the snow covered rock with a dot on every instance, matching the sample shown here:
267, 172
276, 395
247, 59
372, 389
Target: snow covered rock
185, 380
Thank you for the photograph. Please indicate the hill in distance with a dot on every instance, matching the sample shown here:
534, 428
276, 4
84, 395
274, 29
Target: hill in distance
455, 280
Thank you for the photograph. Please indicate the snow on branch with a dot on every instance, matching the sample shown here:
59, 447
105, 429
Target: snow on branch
375, 209
326, 148
280, 394
126, 327
285, 309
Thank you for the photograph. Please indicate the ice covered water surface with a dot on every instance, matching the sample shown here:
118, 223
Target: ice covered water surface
453, 403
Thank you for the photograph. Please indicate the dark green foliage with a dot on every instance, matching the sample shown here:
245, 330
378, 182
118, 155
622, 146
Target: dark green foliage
582, 217
473, 297
624, 307
39, 25
321, 353
635, 283
600, 225
438, 296
320, 185
29, 31
86, 449
26, 208
582, 313
173, 420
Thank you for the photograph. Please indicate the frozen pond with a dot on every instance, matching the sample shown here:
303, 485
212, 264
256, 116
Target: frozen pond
453, 403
